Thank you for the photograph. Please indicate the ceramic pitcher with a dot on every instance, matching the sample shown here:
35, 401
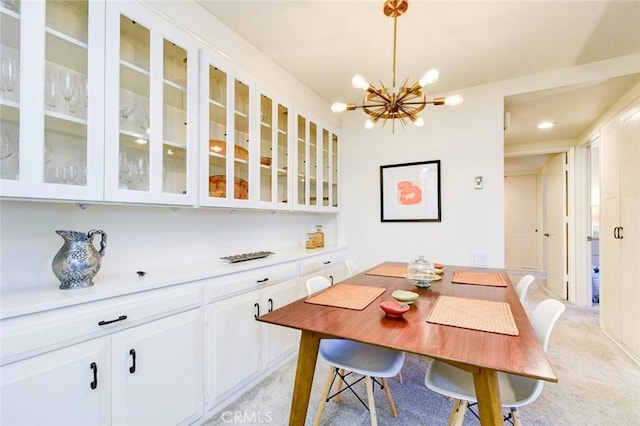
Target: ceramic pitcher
78, 261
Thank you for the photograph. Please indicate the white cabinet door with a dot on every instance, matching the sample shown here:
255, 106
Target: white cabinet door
70, 386
233, 343
315, 186
279, 341
150, 109
52, 118
156, 372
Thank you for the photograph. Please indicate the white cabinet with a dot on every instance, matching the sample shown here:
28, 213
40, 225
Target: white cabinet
157, 373
151, 105
52, 114
237, 347
620, 228
316, 166
330, 265
70, 386
131, 360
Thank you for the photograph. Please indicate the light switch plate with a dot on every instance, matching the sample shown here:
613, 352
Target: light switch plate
477, 182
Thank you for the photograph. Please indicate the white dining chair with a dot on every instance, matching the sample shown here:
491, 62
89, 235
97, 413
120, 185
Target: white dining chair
347, 357
522, 288
515, 391
352, 268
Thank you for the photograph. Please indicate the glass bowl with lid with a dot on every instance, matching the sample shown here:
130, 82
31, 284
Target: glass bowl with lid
422, 271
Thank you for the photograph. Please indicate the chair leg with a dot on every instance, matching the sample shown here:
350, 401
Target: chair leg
340, 382
372, 404
323, 399
457, 412
516, 417
387, 392
399, 376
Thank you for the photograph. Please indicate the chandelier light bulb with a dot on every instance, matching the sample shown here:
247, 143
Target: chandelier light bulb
338, 107
453, 100
359, 82
369, 124
429, 77
418, 122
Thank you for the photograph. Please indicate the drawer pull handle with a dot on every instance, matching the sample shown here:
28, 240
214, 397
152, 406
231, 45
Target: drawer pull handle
94, 383
257, 314
132, 369
264, 280
120, 318
327, 262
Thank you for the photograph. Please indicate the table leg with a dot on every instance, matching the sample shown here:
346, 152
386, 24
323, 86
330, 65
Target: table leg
307, 355
488, 394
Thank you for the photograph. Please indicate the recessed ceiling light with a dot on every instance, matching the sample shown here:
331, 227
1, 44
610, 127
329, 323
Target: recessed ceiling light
546, 125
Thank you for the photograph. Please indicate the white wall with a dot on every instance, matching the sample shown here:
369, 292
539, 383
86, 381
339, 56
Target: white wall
468, 142
142, 238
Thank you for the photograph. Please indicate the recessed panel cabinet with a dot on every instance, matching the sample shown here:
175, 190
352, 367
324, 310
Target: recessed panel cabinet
109, 101
237, 347
51, 102
316, 166
620, 228
148, 374
150, 109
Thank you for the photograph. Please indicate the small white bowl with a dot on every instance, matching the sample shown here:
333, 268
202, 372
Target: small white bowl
404, 296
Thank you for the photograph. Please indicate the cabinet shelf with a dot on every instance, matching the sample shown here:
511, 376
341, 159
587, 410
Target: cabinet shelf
10, 28
133, 78
9, 111
65, 125
67, 51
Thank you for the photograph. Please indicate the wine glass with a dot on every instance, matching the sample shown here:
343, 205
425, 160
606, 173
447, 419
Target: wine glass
126, 108
9, 75
51, 91
68, 88
7, 145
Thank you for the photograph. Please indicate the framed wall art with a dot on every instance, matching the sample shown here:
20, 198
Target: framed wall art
410, 192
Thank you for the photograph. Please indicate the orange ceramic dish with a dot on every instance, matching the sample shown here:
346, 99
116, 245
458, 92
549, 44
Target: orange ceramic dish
220, 147
218, 187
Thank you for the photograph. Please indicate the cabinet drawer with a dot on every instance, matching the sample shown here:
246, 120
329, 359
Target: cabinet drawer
318, 263
229, 285
31, 334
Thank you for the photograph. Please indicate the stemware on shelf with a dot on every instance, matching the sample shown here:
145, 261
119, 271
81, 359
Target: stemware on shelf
9, 75
7, 145
126, 108
51, 91
68, 89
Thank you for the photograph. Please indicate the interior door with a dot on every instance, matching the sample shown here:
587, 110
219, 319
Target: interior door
555, 232
521, 221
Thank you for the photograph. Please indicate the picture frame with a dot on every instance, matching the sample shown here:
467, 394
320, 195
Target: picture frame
410, 192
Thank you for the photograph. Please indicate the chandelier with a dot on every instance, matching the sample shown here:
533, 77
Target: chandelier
396, 102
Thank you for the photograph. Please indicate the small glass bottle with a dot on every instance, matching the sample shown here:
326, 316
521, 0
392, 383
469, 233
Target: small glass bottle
318, 237
310, 243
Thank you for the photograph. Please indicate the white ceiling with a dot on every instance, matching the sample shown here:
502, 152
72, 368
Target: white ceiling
323, 43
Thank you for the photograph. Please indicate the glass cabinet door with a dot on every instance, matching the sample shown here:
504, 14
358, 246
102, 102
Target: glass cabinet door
274, 147
301, 161
151, 109
10, 24
51, 104
333, 172
239, 185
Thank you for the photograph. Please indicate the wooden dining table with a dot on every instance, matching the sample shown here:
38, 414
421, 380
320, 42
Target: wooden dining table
482, 353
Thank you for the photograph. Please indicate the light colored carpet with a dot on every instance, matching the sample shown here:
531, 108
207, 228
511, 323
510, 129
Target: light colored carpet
598, 385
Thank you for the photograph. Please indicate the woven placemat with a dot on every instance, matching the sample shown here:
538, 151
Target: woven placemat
474, 314
493, 279
397, 271
347, 296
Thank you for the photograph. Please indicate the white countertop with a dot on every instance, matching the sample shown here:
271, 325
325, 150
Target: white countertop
22, 301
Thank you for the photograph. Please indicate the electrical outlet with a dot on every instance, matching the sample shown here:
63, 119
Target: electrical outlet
479, 258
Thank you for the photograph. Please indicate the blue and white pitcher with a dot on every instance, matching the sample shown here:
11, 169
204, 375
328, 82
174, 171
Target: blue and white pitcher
78, 261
